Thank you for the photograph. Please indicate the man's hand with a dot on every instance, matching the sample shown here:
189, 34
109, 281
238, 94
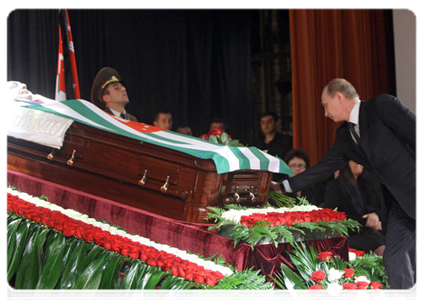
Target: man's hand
373, 221
274, 185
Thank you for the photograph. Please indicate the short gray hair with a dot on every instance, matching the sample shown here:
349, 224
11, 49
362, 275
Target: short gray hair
343, 86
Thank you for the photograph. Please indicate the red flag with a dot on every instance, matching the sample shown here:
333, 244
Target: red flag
70, 53
60, 76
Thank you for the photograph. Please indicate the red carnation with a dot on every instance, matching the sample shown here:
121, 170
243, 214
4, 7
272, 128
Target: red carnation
314, 290
349, 273
349, 286
324, 256
318, 276
362, 285
215, 131
396, 296
375, 285
204, 137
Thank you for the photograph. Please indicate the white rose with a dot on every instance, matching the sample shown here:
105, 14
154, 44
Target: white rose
362, 296
334, 274
351, 256
362, 278
334, 289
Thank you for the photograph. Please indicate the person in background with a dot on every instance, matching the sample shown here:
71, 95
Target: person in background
298, 161
358, 195
272, 141
109, 93
163, 119
218, 123
184, 129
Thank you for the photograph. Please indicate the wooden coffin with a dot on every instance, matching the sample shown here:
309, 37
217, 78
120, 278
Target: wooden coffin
142, 175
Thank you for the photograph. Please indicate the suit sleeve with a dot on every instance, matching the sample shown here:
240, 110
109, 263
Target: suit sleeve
332, 161
397, 117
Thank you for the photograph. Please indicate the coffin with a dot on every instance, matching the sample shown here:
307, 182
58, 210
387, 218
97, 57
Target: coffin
137, 173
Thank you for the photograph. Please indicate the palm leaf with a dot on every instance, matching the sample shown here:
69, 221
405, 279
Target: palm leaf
90, 278
74, 266
12, 227
111, 271
22, 234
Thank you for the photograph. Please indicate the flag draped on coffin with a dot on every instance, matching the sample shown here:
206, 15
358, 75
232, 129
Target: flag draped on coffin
69, 56
226, 158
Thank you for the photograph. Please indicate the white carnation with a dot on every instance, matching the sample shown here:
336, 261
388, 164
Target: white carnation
334, 289
335, 274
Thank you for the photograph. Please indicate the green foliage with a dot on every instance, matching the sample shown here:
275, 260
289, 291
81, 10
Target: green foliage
42, 258
371, 266
247, 279
281, 200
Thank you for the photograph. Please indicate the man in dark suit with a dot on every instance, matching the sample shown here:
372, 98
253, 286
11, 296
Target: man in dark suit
109, 93
379, 134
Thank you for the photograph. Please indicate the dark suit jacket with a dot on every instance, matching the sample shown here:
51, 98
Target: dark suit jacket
388, 143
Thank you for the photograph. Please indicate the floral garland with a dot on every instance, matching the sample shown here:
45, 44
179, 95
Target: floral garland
73, 223
258, 225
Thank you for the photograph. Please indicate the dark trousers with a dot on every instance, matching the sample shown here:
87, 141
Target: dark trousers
400, 253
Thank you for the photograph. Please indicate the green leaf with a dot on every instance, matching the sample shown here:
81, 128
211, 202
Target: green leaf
290, 279
213, 139
91, 276
74, 266
156, 276
129, 279
30, 267
111, 271
53, 265
12, 227
20, 241
224, 138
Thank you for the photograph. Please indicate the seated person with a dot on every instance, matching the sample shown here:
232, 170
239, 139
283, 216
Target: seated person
360, 197
109, 93
298, 162
163, 119
218, 123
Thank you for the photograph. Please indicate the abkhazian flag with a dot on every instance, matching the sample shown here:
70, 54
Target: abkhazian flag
226, 158
69, 55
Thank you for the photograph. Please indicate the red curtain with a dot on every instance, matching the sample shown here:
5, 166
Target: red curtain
326, 44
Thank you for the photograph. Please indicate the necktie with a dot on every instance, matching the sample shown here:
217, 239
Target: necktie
123, 116
353, 130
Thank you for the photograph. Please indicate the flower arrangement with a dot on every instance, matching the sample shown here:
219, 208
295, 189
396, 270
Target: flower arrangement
41, 232
283, 224
325, 271
218, 136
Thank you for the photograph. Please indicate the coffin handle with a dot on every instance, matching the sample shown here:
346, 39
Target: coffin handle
165, 186
72, 159
143, 179
252, 196
236, 195
50, 156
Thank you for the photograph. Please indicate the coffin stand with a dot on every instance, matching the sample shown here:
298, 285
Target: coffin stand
142, 175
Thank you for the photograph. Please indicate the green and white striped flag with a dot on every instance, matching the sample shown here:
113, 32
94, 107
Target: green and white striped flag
226, 158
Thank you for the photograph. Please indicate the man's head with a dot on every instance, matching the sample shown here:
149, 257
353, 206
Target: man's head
218, 123
163, 119
108, 90
268, 123
338, 98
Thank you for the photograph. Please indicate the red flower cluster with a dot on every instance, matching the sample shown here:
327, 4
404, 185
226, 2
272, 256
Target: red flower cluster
324, 256
288, 218
213, 131
318, 276
135, 250
356, 252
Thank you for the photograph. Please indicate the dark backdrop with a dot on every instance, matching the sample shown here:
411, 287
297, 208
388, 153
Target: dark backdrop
195, 63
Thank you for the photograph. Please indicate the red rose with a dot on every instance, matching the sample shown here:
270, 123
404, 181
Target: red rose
375, 285
375, 294
396, 296
359, 253
314, 290
324, 256
349, 273
349, 286
318, 276
362, 285
204, 137
215, 131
